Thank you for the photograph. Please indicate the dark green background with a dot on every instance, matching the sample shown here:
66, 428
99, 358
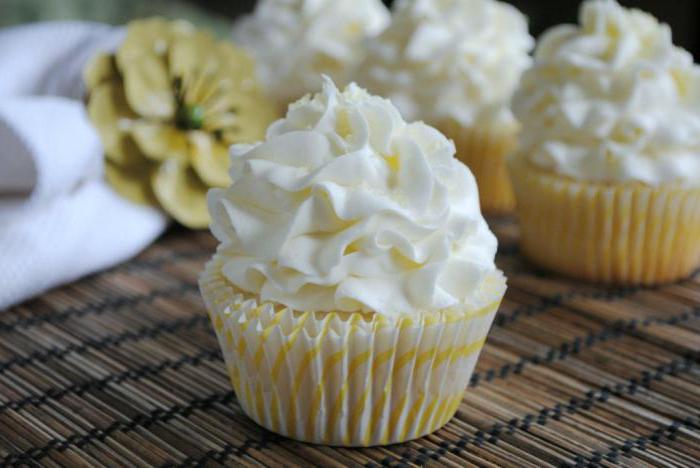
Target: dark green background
682, 15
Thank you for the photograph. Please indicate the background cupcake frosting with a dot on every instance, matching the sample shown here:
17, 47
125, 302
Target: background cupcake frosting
612, 99
450, 59
347, 207
294, 41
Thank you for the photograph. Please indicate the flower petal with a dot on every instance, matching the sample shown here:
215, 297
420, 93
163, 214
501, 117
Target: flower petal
148, 87
205, 65
240, 117
181, 194
99, 69
111, 116
210, 159
132, 182
192, 55
150, 36
240, 64
160, 142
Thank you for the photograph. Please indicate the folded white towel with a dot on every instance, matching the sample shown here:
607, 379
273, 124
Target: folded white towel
48, 58
59, 220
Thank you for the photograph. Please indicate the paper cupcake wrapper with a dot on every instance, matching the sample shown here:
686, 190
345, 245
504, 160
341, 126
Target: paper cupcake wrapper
347, 379
625, 233
484, 149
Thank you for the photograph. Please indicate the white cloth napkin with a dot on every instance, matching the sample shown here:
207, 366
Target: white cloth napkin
59, 220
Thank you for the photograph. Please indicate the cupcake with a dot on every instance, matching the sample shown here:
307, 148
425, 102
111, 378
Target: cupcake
455, 65
295, 41
607, 177
354, 283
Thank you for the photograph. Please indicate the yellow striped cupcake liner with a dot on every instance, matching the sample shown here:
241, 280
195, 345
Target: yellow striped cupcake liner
484, 149
625, 233
347, 379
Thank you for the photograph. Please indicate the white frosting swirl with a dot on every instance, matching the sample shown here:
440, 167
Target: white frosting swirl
612, 100
295, 41
347, 207
450, 59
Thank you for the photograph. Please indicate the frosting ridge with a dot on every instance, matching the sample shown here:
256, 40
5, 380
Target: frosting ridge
347, 207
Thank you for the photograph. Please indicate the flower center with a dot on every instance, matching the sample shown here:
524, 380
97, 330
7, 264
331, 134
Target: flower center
189, 117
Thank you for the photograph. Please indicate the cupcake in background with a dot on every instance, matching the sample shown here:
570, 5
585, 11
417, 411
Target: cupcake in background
354, 284
455, 65
608, 173
296, 41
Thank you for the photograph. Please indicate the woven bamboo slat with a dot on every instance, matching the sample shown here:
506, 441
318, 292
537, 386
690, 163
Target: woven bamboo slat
123, 368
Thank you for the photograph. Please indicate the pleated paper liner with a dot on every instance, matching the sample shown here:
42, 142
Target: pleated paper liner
347, 379
484, 149
626, 233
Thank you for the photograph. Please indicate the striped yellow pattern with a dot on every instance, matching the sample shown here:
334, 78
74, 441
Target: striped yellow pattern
347, 379
610, 233
485, 150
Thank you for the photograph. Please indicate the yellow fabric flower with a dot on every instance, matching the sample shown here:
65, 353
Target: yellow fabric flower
167, 106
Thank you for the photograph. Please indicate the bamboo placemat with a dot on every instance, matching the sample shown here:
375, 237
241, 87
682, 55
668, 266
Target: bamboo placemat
122, 368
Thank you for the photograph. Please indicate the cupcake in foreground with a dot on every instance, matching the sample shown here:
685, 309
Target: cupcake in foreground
608, 174
354, 284
295, 41
455, 64
167, 105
